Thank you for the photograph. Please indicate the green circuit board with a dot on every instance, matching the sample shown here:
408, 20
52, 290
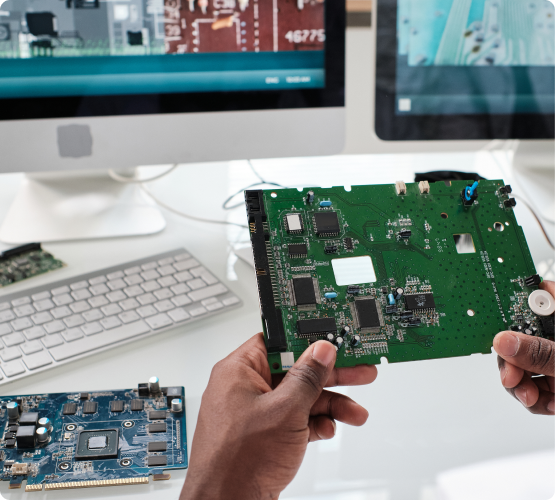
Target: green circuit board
27, 261
405, 271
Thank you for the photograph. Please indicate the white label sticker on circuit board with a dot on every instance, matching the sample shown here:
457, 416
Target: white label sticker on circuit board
353, 270
287, 360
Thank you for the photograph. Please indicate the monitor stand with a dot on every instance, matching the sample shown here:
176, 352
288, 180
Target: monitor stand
64, 206
534, 173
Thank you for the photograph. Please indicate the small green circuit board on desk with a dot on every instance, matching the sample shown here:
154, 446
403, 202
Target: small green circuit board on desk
18, 264
405, 271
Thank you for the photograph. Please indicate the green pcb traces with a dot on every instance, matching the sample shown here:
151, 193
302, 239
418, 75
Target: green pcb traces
405, 272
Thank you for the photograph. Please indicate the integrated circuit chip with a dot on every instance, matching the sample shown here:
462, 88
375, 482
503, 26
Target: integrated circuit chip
157, 415
97, 445
69, 409
304, 291
157, 427
367, 315
89, 407
326, 223
298, 250
157, 460
307, 328
116, 406
294, 223
157, 446
420, 301
137, 404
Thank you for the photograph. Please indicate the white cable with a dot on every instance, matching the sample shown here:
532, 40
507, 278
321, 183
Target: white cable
132, 180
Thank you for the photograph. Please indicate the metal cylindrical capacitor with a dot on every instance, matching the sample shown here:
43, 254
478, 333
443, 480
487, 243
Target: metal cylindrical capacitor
45, 422
13, 410
177, 405
400, 291
330, 337
339, 341
154, 384
42, 434
345, 330
355, 340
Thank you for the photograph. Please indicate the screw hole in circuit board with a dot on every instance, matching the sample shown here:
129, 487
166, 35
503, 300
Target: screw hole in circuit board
470, 312
273, 195
275, 366
498, 226
500, 260
444, 215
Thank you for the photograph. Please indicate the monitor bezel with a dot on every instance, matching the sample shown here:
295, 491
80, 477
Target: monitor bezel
392, 127
332, 95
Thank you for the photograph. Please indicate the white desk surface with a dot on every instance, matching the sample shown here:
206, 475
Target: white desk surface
425, 417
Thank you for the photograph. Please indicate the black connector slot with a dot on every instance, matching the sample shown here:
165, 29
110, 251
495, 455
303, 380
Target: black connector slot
271, 313
13, 252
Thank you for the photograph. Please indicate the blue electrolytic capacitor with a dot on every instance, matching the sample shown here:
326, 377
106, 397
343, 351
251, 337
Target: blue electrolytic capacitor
391, 299
325, 203
330, 295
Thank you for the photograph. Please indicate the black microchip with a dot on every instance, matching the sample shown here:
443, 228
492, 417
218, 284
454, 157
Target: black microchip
116, 406
420, 301
143, 390
25, 436
157, 427
157, 446
157, 460
390, 309
29, 418
348, 243
69, 409
89, 407
12, 428
298, 250
327, 223
83, 396
157, 415
406, 314
414, 321
171, 394
330, 249
306, 328
367, 313
353, 289
384, 290
97, 445
137, 404
304, 291
9, 435
10, 443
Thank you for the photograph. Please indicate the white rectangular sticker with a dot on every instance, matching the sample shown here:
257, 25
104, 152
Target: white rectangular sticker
353, 270
287, 360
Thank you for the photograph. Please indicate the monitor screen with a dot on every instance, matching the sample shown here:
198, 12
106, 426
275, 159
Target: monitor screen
483, 61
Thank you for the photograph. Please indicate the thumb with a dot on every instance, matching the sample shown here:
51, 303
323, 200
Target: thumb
533, 354
304, 383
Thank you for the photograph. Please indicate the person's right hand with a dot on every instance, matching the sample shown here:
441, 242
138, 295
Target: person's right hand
521, 357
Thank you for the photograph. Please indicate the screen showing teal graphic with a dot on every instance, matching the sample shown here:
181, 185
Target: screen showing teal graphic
98, 47
475, 56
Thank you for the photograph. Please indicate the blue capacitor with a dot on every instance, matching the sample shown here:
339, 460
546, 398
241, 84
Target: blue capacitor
391, 299
325, 203
330, 295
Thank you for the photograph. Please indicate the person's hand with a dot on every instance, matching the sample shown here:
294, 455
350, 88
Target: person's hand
521, 357
253, 429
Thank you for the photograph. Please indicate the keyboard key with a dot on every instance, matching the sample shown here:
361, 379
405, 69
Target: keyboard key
146, 311
209, 278
179, 315
198, 311
98, 280
41, 318
150, 275
75, 320
134, 279
31, 347
146, 299
180, 288
181, 300
21, 301
129, 304
166, 261
60, 290
133, 291
186, 264
87, 344
5, 328
116, 296
25, 310
149, 265
92, 315
165, 270
72, 334
79, 285
54, 326
165, 293
79, 307
116, 284
13, 339
197, 271
182, 256
210, 291
196, 284
167, 281
61, 312
13, 368
184, 276
111, 309
52, 340
40, 296
215, 307
207, 302
81, 294
34, 333
109, 323
37, 360
150, 286
100, 289
92, 328
99, 301
132, 270
129, 317
159, 321
164, 305
4, 306
10, 353
115, 275
21, 324
6, 315
62, 300
230, 301
43, 305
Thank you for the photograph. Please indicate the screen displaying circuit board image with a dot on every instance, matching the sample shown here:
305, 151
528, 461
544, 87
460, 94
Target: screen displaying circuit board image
100, 47
406, 272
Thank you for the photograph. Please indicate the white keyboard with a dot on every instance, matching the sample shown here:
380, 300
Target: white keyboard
43, 327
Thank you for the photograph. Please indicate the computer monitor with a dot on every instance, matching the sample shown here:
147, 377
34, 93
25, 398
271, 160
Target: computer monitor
465, 69
96, 84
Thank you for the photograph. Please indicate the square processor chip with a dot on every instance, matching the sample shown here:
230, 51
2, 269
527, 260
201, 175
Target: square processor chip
327, 223
294, 223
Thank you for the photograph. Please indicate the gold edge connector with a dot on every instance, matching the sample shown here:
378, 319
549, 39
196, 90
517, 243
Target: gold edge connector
33, 487
96, 484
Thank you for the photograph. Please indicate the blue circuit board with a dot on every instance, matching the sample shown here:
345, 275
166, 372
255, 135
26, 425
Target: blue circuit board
92, 439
